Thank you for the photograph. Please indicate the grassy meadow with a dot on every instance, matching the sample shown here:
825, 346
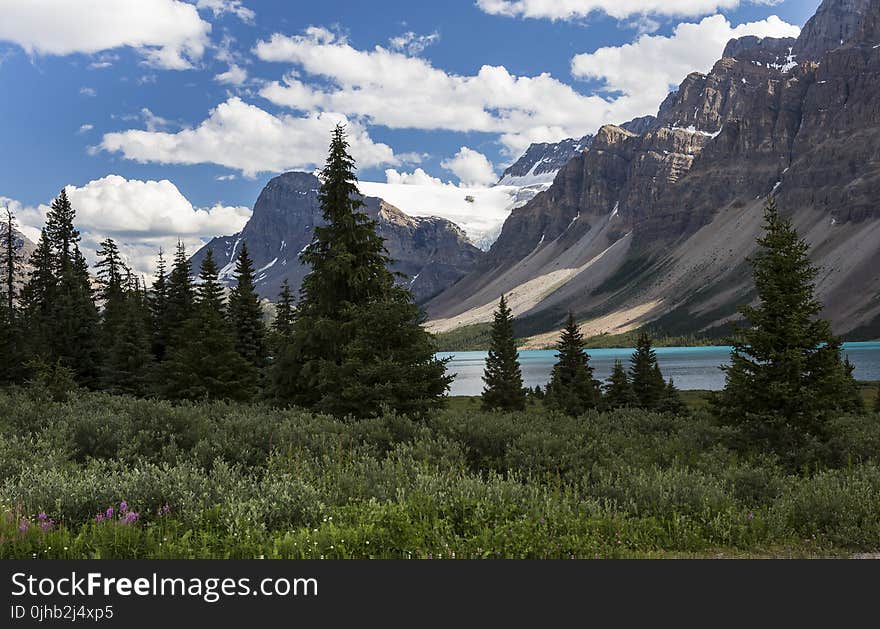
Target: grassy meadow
102, 476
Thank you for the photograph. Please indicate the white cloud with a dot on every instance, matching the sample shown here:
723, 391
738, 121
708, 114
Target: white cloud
399, 91
416, 178
620, 9
413, 44
644, 71
246, 138
88, 92
168, 33
141, 216
85, 128
234, 7
235, 75
471, 167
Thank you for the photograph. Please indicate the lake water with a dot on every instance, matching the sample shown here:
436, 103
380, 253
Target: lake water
693, 368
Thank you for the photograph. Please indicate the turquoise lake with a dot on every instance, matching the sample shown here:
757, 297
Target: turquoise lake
693, 368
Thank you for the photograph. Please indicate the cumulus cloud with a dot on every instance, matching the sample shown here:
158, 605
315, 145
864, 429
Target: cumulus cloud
141, 216
168, 33
416, 178
233, 7
471, 167
235, 75
635, 70
620, 9
246, 138
399, 91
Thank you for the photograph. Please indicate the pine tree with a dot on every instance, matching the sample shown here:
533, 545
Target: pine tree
619, 392
111, 274
503, 376
786, 373
129, 360
157, 300
38, 301
246, 313
283, 322
645, 375
572, 389
357, 343
671, 401
11, 367
203, 364
180, 298
69, 320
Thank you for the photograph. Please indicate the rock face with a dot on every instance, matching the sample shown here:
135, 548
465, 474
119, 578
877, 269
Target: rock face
657, 226
432, 253
541, 162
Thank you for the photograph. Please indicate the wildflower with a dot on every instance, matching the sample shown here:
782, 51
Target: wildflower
123, 507
47, 525
751, 516
99, 518
109, 513
131, 517
23, 526
42, 517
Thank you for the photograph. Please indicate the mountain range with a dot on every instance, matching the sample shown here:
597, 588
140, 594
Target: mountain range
648, 223
654, 225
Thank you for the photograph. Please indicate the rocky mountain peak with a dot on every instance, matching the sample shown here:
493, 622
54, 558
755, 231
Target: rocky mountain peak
836, 22
432, 253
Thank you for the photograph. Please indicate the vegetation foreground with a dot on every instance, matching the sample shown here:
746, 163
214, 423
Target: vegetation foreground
116, 477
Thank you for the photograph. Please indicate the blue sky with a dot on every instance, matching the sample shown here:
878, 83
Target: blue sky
218, 98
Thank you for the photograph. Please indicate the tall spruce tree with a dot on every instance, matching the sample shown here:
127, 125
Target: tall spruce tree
357, 344
38, 301
671, 401
786, 373
572, 389
503, 376
618, 391
647, 380
72, 322
128, 364
10, 330
180, 297
284, 312
157, 300
203, 363
246, 313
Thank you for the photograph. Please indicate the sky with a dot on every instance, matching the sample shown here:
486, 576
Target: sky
165, 118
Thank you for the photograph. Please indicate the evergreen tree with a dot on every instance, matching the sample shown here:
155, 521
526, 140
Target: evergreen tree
647, 380
357, 342
10, 330
10, 261
572, 389
619, 392
671, 401
158, 308
786, 372
111, 274
67, 324
503, 376
246, 313
180, 298
877, 401
203, 364
129, 361
38, 300
284, 312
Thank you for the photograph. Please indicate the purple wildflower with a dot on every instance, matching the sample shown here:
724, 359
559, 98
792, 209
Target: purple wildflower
99, 518
47, 525
751, 516
123, 507
131, 517
23, 526
163, 510
42, 517
109, 513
